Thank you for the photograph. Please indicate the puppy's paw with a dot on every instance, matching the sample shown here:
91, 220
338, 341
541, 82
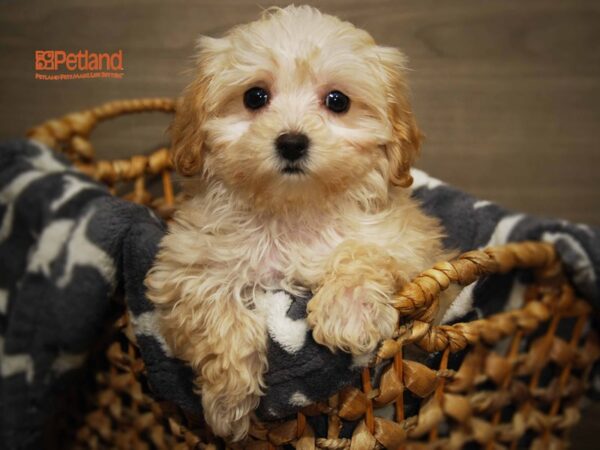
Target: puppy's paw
351, 318
228, 416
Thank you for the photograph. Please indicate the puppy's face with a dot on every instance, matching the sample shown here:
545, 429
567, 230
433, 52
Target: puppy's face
294, 107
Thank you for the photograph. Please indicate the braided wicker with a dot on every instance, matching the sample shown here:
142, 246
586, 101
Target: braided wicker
525, 396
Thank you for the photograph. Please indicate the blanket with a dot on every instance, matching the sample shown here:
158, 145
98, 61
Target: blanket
67, 246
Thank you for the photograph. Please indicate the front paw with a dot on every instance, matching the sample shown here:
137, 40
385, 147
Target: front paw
354, 319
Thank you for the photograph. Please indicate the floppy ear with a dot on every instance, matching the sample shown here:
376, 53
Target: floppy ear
186, 131
187, 134
403, 148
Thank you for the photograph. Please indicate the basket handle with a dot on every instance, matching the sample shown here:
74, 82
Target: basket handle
70, 134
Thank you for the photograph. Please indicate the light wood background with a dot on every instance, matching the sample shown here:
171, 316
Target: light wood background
507, 91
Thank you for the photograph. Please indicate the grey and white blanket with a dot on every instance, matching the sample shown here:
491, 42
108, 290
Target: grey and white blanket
67, 246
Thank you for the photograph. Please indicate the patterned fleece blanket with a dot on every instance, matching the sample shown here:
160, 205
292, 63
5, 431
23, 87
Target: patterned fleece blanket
67, 246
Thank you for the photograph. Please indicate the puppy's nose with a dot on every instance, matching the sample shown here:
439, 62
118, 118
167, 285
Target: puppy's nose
292, 146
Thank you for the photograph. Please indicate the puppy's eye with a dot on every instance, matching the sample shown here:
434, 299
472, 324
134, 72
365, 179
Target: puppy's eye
337, 101
256, 98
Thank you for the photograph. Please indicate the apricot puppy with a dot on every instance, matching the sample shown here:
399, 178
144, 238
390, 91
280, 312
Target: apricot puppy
298, 138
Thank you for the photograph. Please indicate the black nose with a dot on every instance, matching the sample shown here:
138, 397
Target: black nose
292, 146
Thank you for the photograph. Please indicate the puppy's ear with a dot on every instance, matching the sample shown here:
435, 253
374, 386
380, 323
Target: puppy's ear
187, 138
187, 134
405, 142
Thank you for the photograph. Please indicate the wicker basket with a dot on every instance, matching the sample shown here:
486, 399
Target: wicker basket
526, 395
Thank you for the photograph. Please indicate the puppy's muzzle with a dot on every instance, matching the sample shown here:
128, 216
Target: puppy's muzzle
292, 146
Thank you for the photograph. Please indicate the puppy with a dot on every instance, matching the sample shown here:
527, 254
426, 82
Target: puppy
298, 138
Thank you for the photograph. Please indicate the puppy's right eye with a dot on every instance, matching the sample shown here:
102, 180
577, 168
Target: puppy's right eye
256, 98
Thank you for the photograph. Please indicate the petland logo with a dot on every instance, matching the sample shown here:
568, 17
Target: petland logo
63, 65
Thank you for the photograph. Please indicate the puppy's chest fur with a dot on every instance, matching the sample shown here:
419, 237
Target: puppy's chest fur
240, 253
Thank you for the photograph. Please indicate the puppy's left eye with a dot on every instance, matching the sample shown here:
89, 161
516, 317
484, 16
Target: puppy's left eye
256, 98
337, 101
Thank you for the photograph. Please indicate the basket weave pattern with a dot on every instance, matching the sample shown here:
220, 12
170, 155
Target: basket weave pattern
497, 397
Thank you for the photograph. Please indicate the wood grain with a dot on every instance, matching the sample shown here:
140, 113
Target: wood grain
507, 92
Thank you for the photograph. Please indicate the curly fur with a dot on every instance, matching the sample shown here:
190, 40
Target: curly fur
345, 229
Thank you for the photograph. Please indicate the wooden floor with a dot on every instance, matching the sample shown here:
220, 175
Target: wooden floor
507, 92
